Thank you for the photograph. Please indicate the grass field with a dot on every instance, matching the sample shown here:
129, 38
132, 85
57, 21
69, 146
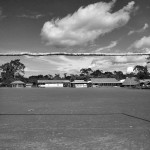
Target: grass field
74, 119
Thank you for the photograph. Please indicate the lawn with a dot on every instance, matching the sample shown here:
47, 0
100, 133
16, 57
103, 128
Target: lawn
74, 119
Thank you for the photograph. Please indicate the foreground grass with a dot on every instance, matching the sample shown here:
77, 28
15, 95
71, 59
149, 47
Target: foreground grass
74, 119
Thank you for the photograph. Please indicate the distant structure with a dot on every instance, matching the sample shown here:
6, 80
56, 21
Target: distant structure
93, 82
29, 85
18, 84
105, 82
53, 83
131, 82
79, 84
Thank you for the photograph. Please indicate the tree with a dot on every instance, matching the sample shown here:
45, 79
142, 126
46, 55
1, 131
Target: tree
142, 72
86, 71
12, 71
65, 75
119, 75
50, 76
108, 74
72, 77
97, 73
57, 77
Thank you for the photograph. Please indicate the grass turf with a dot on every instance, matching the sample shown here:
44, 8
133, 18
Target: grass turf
74, 119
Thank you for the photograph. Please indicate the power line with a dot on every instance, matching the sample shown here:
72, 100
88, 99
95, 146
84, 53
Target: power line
73, 54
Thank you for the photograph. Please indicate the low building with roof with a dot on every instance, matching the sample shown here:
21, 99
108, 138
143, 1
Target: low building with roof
98, 82
131, 82
29, 85
79, 84
53, 83
145, 83
18, 84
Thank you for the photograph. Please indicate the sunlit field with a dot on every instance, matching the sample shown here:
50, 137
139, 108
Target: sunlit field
74, 119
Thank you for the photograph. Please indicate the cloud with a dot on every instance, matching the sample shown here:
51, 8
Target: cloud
131, 32
118, 63
112, 44
86, 24
140, 30
130, 69
27, 69
144, 42
31, 16
129, 59
63, 64
66, 64
145, 26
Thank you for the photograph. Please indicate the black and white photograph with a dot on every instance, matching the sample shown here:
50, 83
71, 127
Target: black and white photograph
74, 75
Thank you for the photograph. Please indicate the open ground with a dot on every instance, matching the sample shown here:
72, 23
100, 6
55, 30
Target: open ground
74, 119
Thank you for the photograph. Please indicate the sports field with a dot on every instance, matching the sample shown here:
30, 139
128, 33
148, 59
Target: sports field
74, 119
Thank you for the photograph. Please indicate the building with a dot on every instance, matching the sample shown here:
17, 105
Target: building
131, 82
98, 82
18, 84
145, 83
79, 84
29, 85
53, 83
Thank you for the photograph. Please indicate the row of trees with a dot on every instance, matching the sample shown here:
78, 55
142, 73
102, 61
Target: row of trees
14, 70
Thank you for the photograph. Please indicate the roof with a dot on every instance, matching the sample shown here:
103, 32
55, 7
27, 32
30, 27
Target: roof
122, 80
79, 82
29, 83
17, 82
104, 80
131, 81
53, 81
144, 80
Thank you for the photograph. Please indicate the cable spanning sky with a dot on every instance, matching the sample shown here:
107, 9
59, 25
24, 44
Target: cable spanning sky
75, 26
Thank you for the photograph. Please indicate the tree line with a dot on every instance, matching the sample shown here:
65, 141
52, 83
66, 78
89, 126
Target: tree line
14, 70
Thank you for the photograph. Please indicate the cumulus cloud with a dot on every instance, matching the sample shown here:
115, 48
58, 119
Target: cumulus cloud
130, 69
140, 30
144, 42
86, 24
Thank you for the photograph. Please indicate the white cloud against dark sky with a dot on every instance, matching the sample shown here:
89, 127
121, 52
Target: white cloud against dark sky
144, 42
86, 24
139, 30
111, 26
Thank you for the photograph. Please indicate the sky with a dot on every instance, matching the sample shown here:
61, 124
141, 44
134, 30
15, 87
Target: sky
85, 26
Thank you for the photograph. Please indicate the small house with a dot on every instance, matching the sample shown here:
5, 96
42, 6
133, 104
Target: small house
79, 84
18, 84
